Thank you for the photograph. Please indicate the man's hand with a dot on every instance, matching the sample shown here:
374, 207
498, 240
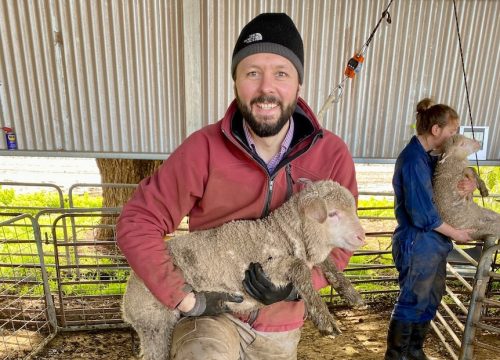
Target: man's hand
258, 285
210, 303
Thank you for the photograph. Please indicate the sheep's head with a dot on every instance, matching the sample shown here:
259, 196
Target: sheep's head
459, 147
333, 207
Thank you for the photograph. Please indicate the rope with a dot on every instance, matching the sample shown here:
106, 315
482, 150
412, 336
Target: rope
466, 87
336, 94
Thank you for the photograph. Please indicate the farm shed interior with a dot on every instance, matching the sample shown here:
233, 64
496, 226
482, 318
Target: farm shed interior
124, 82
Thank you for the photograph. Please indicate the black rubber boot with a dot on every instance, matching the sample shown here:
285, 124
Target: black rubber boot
398, 339
418, 334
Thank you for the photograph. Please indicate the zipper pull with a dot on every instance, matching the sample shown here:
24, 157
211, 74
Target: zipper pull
271, 184
288, 170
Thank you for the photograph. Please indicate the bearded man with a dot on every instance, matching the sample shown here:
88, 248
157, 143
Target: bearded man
241, 167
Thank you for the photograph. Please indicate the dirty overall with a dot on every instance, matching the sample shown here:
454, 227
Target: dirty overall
224, 337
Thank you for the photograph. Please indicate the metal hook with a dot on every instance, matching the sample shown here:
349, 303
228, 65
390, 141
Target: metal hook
333, 98
389, 20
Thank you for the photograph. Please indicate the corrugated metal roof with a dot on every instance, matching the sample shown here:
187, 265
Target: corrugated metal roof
121, 77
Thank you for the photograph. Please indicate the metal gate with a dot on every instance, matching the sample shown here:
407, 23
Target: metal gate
27, 313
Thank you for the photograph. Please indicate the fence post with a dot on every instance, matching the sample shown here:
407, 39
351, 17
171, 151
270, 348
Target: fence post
481, 281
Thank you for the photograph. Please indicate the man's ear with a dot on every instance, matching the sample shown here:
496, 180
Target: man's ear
316, 210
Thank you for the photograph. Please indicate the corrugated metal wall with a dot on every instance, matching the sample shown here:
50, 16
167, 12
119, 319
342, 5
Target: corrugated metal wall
127, 77
417, 55
93, 76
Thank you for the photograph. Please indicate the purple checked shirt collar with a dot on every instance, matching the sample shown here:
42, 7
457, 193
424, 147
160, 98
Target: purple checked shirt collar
275, 160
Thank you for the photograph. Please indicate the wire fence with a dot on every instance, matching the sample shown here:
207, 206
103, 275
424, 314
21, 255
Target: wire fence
60, 270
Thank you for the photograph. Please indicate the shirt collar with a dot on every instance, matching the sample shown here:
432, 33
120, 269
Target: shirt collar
271, 165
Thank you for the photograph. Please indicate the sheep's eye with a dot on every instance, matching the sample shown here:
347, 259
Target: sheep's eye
332, 214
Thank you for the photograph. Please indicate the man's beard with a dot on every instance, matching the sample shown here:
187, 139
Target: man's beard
264, 128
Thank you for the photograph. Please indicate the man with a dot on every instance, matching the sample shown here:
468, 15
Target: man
241, 167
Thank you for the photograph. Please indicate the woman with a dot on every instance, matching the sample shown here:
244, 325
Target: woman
421, 241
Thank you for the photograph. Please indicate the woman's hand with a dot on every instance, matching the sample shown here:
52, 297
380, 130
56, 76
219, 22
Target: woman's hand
462, 235
459, 235
466, 187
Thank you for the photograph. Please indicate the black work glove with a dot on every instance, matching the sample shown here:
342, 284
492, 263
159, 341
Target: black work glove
211, 303
258, 285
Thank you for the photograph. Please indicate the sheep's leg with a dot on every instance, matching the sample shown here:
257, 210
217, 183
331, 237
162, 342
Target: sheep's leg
483, 190
300, 276
489, 223
155, 341
153, 322
471, 173
341, 284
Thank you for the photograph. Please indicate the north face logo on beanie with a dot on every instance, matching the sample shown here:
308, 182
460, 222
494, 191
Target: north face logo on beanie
253, 38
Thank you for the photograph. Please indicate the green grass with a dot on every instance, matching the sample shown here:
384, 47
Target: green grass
384, 204
45, 199
491, 176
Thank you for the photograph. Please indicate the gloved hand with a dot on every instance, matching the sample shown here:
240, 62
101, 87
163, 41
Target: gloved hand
258, 285
211, 303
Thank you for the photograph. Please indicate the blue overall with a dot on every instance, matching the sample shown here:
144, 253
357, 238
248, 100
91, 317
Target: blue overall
418, 251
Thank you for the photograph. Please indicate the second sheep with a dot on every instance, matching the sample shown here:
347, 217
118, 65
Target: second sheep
456, 210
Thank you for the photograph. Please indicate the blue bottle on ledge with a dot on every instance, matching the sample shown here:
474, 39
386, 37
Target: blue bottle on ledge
10, 137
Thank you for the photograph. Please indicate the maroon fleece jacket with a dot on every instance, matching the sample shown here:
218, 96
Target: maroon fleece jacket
213, 178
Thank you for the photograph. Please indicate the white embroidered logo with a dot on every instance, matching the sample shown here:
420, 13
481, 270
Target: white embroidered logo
253, 38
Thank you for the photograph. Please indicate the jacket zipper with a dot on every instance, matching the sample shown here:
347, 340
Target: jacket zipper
269, 195
267, 206
289, 181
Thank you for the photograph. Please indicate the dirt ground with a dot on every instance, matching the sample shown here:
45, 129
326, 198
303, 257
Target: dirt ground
363, 338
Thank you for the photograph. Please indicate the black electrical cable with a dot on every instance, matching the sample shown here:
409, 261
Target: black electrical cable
384, 14
466, 86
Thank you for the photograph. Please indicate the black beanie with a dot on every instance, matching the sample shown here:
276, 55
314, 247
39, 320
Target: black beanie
270, 33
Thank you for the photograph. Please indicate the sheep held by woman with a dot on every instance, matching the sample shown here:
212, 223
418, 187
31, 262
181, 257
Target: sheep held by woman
288, 243
456, 210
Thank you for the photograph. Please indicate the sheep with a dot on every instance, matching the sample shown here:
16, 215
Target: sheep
456, 210
288, 243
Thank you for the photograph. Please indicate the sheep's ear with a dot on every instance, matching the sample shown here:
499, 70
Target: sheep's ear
445, 156
316, 210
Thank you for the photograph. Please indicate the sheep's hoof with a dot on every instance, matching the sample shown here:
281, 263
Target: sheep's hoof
331, 329
360, 306
331, 333
356, 302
